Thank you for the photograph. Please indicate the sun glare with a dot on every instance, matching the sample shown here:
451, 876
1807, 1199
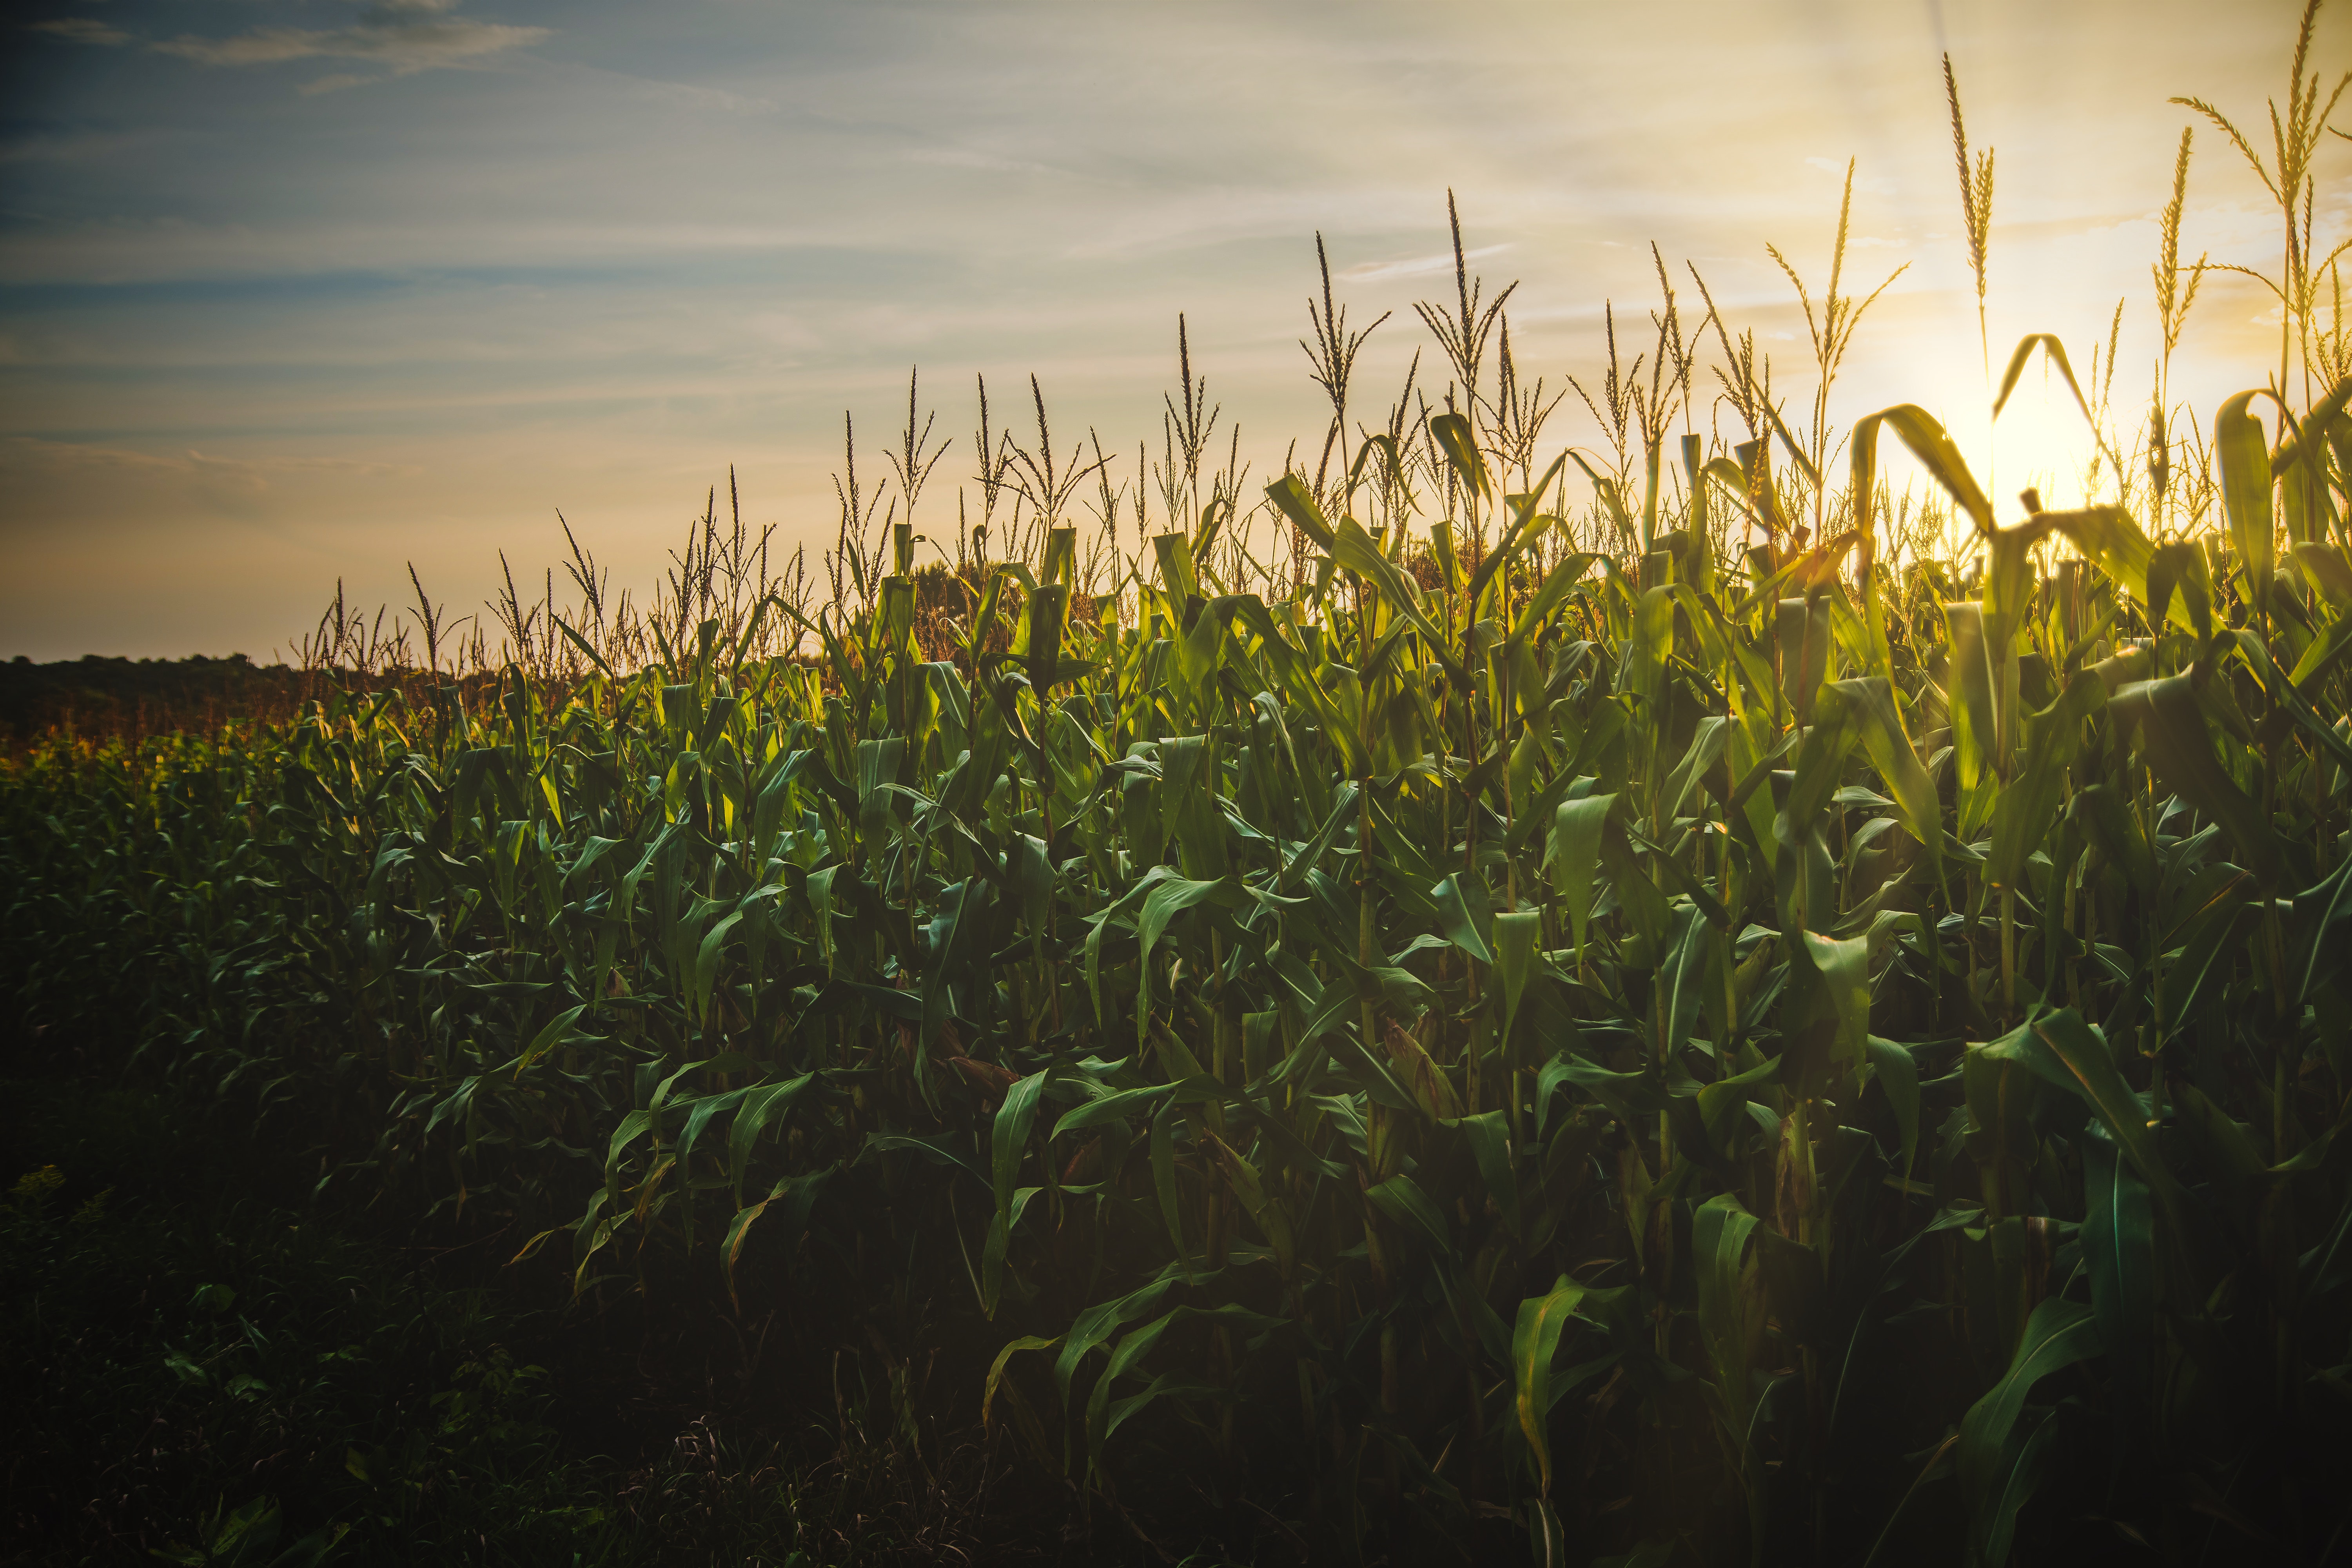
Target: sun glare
2041, 440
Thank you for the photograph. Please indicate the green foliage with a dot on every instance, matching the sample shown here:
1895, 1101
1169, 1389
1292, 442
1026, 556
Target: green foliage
1263, 1006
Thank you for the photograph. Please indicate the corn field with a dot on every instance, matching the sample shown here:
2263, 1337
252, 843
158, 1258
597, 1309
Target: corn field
1697, 1027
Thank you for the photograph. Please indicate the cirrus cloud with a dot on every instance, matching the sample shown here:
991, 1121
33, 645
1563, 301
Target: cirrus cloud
83, 30
406, 35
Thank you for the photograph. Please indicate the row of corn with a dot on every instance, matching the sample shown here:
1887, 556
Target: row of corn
1705, 1055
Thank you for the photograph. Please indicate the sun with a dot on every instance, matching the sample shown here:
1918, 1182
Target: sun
2043, 441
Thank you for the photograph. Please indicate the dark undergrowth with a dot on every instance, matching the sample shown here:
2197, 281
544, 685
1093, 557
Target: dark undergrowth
203, 1364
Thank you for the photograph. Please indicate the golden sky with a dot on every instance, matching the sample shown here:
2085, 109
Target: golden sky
294, 291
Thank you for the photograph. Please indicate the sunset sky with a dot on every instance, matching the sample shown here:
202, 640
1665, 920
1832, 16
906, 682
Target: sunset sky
298, 290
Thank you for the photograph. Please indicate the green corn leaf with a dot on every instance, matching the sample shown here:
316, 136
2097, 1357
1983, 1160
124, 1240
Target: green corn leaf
1132, 898
706, 961
2301, 441
1048, 612
2059, 1333
1096, 1324
2105, 817
557, 1030
1353, 548
1466, 914
2226, 1151
1517, 937
2286, 692
1684, 974
1577, 850
2177, 571
1926, 437
1971, 685
1708, 741
2010, 582
1000, 1226
1653, 638
2019, 358
2210, 934
1556, 584
1329, 1030
2022, 816
1171, 897
2172, 732
1821, 764
1163, 1182
2061, 1050
1178, 578
958, 931
1997, 1524
1113, 1107
700, 1115
1845, 971
2246, 484
576, 640
799, 1194
935, 1150
1401, 1199
1790, 445
1534, 1341
1270, 1213
1898, 1076
1105, 1416
1297, 503
1343, 813
2318, 951
2108, 535
1611, 497
1009, 1141
1489, 1137
763, 1104
1870, 709
996, 1368
1630, 1096
1718, 1103
1729, 1304
2328, 570
1525, 526
1461, 447
2118, 1254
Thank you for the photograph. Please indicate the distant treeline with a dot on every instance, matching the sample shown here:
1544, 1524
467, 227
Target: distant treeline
99, 696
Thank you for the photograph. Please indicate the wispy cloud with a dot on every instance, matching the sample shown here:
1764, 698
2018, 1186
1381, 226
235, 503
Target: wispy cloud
975, 158
1877, 186
700, 97
243, 473
84, 30
1416, 267
406, 35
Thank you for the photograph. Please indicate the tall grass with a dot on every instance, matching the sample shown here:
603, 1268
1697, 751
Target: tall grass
1686, 1028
